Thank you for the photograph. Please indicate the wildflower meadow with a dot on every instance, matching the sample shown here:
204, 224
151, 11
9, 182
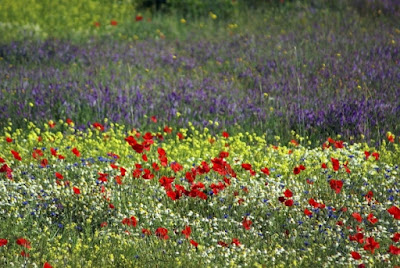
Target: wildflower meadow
199, 133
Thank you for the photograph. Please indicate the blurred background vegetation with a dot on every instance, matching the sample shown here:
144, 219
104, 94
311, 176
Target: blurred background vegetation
76, 19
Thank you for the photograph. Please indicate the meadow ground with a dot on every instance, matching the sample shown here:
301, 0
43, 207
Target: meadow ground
243, 136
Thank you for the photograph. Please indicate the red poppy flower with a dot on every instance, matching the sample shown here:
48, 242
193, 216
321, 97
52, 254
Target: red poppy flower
138, 148
324, 166
130, 140
227, 181
130, 221
325, 146
396, 237
371, 245
313, 203
201, 195
147, 174
44, 162
146, 231
24, 243
9, 140
394, 250
51, 124
357, 216
69, 121
336, 185
346, 167
180, 136
167, 129
118, 180
161, 151
225, 134
7, 169
98, 126
16, 155
395, 211
289, 203
355, 255
223, 154
376, 155
335, 164
24, 254
162, 156
339, 144
194, 243
138, 18
3, 242
294, 142
265, 170
176, 167
113, 22
59, 176
76, 152
2, 160
53, 152
246, 166
95, 24
166, 182
359, 237
369, 196
390, 138
187, 231
296, 170
47, 265
155, 167
372, 219
162, 233
235, 242
148, 137
288, 193
281, 199
246, 223
111, 205
76, 190
367, 154
301, 167
103, 177
223, 244
174, 195
307, 212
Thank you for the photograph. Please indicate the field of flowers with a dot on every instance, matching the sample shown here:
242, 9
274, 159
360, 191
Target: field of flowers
260, 138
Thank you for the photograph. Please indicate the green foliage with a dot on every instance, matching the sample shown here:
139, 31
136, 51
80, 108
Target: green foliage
54, 18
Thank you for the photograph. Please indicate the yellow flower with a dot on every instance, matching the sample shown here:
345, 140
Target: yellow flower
183, 21
213, 16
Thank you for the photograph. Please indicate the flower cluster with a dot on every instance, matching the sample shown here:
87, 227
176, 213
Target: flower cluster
154, 191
